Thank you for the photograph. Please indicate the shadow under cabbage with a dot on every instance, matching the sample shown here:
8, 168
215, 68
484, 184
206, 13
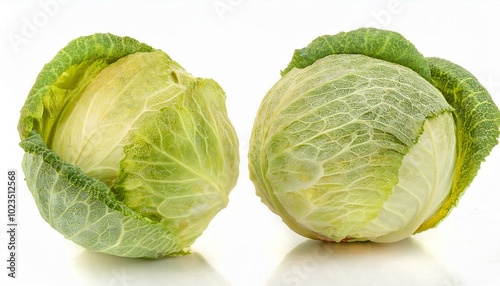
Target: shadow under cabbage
360, 263
102, 269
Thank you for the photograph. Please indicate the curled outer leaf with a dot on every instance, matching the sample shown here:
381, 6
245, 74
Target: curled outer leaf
478, 126
85, 210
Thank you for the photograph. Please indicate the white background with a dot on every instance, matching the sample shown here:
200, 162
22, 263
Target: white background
243, 45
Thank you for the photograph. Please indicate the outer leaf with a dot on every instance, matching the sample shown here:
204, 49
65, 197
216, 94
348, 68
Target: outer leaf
381, 44
85, 210
478, 126
39, 105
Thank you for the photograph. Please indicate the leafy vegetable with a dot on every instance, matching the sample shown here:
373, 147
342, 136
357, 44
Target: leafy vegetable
363, 138
126, 152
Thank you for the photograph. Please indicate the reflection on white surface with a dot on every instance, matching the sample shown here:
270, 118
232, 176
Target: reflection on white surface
360, 263
110, 270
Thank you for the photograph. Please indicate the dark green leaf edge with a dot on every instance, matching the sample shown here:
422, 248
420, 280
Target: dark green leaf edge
478, 127
377, 43
96, 189
97, 46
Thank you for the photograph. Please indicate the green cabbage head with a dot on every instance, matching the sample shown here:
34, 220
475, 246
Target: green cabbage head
125, 152
363, 138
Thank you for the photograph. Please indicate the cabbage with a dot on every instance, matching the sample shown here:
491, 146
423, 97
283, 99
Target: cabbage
363, 138
126, 153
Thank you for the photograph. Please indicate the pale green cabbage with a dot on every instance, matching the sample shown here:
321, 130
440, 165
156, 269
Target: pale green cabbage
363, 138
126, 152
